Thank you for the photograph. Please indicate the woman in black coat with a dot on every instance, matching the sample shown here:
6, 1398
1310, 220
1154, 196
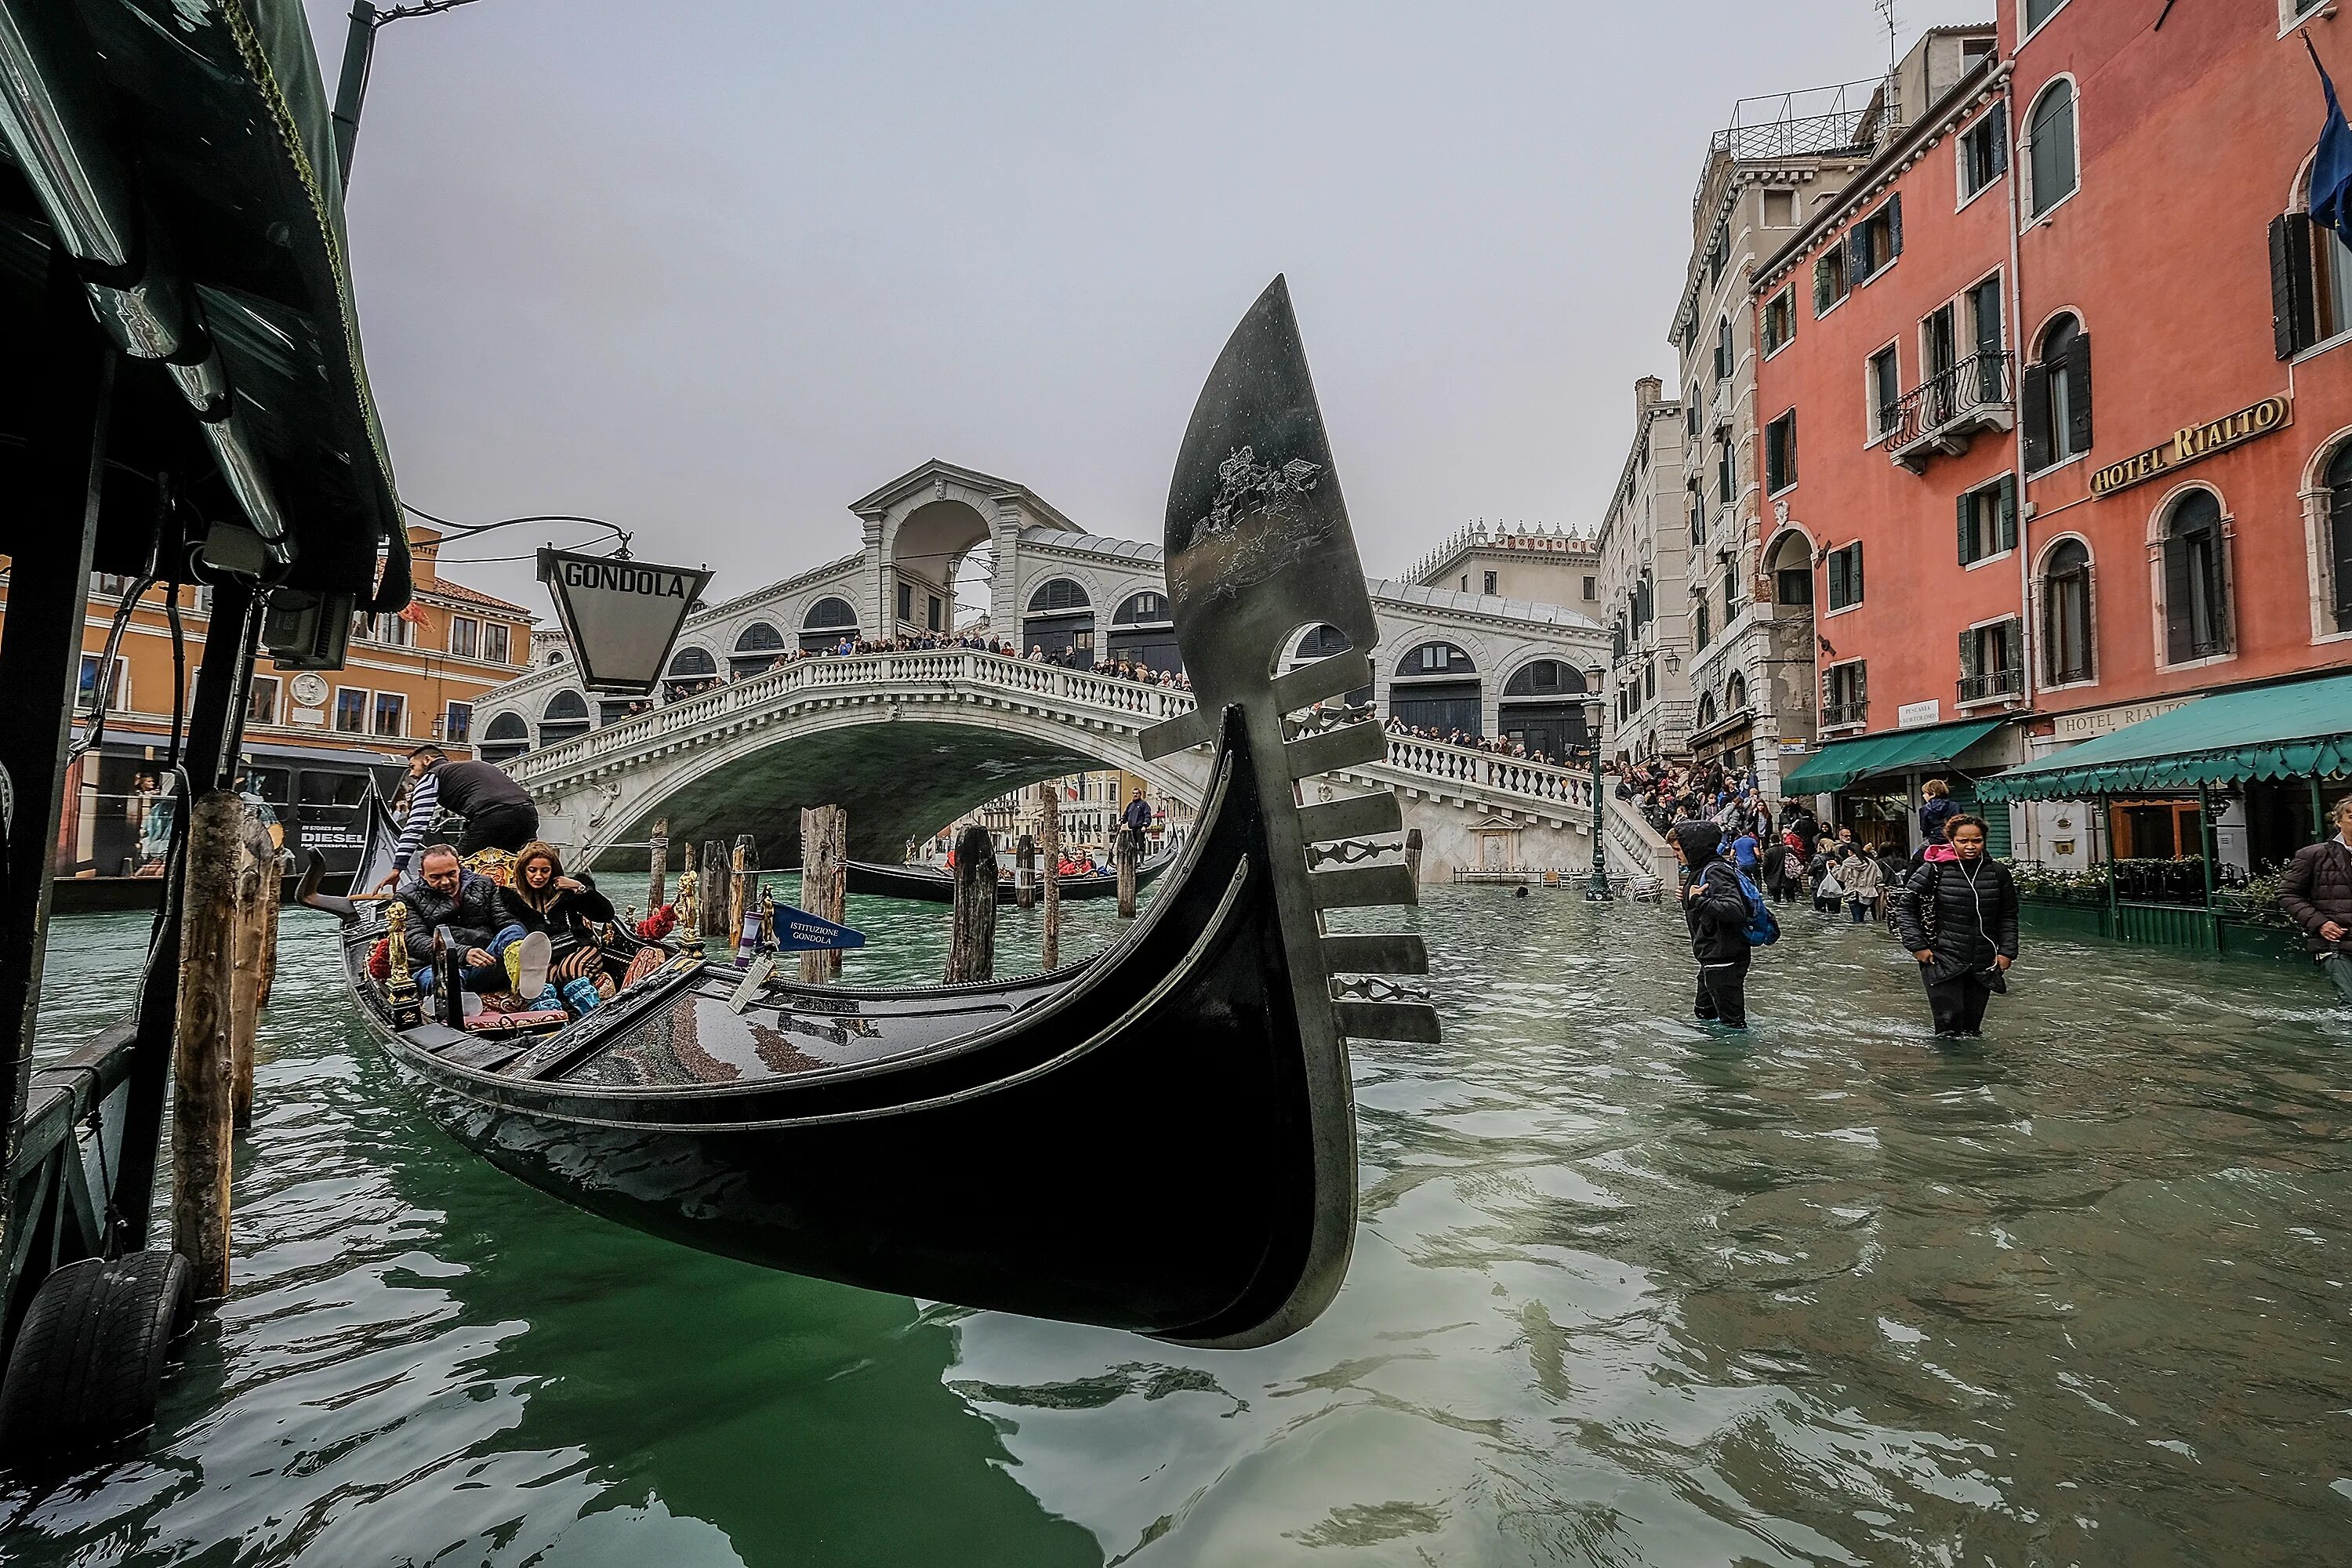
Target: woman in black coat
1959, 917
1715, 907
567, 909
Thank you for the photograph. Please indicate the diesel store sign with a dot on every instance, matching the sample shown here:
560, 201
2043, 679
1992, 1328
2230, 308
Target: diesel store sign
2195, 442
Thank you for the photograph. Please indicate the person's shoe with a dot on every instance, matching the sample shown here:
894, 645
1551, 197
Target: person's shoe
531, 958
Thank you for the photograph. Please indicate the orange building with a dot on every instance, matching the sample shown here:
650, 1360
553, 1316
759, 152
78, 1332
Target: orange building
312, 739
2012, 542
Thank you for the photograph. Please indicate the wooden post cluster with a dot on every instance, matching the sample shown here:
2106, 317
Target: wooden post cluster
1049, 857
1128, 850
716, 877
202, 1050
657, 862
1412, 852
257, 917
742, 892
825, 881
971, 947
1024, 872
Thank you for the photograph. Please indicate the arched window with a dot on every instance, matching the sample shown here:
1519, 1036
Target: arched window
1545, 678
2339, 535
1057, 596
687, 663
2196, 580
1707, 710
1141, 609
565, 715
1542, 710
2066, 639
554, 655
2053, 167
1437, 688
1735, 692
756, 648
2056, 396
1433, 660
1322, 643
828, 621
1141, 633
507, 737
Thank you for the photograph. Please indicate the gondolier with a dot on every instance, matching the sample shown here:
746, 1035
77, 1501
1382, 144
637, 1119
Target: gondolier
499, 812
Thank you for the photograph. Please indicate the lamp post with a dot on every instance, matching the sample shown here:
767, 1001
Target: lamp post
1596, 890
358, 55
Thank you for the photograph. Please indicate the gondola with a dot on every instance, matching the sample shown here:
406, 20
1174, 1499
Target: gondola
1160, 1138
936, 885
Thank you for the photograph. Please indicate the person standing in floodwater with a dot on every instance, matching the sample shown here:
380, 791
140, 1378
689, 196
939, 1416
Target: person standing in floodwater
1715, 907
1959, 917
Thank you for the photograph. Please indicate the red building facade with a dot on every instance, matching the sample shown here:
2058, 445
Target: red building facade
2068, 383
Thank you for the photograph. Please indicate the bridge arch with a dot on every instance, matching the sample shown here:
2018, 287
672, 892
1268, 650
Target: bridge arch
924, 548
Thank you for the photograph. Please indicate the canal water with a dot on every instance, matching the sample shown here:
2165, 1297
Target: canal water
1624, 1292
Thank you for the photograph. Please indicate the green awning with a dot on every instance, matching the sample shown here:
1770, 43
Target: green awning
2294, 732
1841, 762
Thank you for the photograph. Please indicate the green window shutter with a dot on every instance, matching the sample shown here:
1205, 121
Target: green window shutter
1895, 227
1853, 572
2009, 512
1968, 533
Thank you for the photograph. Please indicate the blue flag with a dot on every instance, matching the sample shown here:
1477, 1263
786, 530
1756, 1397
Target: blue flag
2331, 169
797, 931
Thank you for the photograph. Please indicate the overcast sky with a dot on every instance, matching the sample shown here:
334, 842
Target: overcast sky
714, 268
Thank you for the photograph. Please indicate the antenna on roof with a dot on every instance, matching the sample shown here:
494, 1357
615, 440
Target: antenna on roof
1885, 9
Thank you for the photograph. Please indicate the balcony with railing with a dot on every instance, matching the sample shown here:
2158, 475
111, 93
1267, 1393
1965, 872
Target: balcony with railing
1992, 686
1945, 413
1844, 715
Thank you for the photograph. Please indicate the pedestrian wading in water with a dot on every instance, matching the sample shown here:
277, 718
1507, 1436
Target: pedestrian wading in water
2315, 893
1959, 917
1716, 906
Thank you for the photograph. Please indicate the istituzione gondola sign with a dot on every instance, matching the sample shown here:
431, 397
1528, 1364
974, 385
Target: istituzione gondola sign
622, 616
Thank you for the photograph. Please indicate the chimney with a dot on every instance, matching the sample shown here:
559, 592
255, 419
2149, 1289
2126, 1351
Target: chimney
425, 551
1647, 392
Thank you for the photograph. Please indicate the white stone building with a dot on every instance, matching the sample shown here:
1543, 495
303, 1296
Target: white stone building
1645, 558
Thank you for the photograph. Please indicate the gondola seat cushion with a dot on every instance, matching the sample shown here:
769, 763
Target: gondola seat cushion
379, 963
489, 1023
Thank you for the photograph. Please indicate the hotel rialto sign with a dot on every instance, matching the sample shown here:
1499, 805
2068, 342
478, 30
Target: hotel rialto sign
2194, 443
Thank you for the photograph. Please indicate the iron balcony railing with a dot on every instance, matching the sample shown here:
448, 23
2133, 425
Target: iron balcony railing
1836, 713
1974, 394
1992, 686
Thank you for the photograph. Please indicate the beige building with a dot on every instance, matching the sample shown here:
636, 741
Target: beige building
1541, 566
1646, 555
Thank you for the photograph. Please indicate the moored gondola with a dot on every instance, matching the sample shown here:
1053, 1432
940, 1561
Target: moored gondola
937, 886
1160, 1138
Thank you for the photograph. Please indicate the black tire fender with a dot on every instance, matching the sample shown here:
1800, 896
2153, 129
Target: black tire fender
88, 1363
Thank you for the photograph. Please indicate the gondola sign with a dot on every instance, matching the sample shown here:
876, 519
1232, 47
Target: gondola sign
622, 616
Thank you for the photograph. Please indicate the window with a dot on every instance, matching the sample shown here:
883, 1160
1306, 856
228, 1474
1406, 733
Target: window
1724, 477
1054, 598
1734, 693
2339, 536
457, 722
1988, 520
931, 612
1730, 594
1723, 358
1983, 154
1489, 588
1780, 453
1690, 418
2040, 11
1649, 682
1845, 697
565, 715
1845, 576
906, 603
2055, 394
1697, 523
464, 637
1885, 391
1590, 585
1829, 284
507, 737
2196, 580
496, 643
1874, 243
1466, 581
1793, 585
2311, 281
351, 710
1780, 320
1993, 665
1437, 658
1718, 254
1699, 632
2066, 614
119, 698
392, 631
1780, 209
261, 702
390, 713
2051, 168
1707, 710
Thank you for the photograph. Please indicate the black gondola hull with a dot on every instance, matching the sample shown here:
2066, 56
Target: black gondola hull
938, 886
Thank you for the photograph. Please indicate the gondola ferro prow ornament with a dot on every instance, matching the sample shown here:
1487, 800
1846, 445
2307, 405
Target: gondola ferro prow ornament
1259, 554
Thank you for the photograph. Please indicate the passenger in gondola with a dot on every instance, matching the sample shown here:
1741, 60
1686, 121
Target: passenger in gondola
447, 896
499, 812
565, 910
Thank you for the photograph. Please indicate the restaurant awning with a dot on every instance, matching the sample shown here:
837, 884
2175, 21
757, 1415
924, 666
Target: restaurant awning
1841, 762
2293, 732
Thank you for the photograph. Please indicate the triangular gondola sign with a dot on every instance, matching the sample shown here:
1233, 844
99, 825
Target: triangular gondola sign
622, 616
797, 931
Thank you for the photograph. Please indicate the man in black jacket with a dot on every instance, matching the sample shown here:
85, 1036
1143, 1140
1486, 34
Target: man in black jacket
2315, 893
1959, 917
1716, 906
448, 895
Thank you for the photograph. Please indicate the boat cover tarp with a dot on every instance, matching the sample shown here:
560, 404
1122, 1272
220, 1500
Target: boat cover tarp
2299, 730
1841, 762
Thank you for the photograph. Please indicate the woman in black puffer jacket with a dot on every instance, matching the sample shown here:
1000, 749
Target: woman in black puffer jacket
1959, 917
1716, 906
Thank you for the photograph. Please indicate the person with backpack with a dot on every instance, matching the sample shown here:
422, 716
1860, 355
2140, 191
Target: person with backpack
1787, 869
1863, 881
1959, 917
1721, 913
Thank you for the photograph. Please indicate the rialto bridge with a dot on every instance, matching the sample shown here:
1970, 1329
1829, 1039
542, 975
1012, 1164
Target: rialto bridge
738, 742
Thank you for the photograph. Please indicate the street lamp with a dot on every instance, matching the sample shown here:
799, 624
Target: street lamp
359, 54
1597, 890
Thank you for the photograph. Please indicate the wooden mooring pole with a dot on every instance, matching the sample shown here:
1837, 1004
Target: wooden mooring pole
1024, 872
201, 1049
256, 910
716, 877
743, 889
1128, 848
971, 947
1049, 869
1412, 852
657, 862
825, 881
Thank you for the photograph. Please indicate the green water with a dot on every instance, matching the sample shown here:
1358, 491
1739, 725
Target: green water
1623, 1293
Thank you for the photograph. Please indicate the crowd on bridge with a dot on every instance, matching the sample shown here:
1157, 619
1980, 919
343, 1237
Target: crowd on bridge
1079, 660
1499, 746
